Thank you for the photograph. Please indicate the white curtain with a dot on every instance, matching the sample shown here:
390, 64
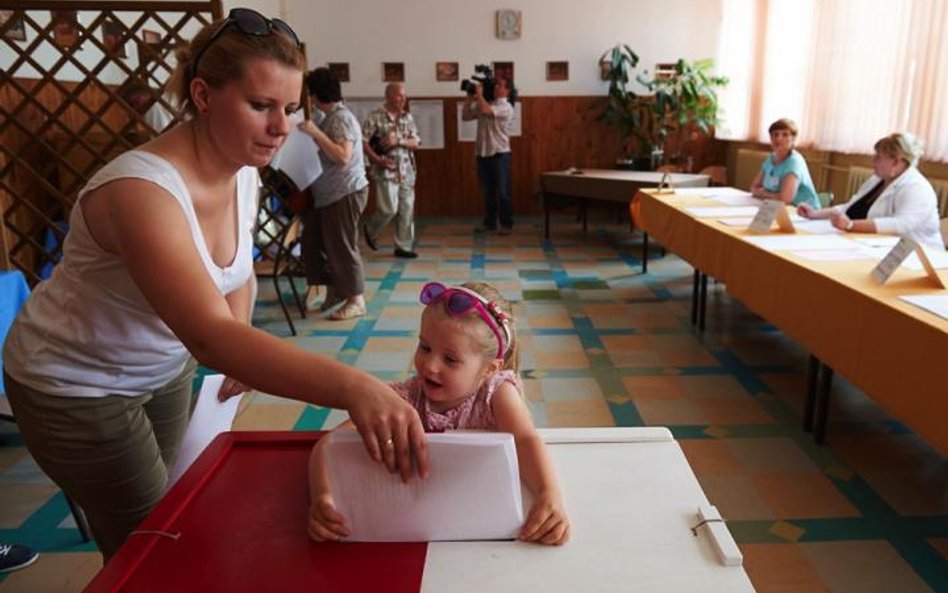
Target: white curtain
847, 71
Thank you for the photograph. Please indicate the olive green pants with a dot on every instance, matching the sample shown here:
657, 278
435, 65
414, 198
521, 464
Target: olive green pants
108, 454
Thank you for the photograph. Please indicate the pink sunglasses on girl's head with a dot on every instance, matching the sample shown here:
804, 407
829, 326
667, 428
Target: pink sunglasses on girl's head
459, 300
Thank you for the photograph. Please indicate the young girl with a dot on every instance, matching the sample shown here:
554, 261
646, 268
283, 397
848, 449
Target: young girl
467, 365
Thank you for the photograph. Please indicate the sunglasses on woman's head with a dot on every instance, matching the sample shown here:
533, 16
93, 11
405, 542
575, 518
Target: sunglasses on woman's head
248, 22
459, 300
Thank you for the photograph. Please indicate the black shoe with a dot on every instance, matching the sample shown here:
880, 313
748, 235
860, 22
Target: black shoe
368, 238
405, 253
14, 557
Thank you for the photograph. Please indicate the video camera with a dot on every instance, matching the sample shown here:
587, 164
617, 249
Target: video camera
482, 76
375, 143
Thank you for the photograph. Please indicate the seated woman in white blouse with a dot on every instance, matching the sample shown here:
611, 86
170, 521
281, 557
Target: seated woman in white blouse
896, 200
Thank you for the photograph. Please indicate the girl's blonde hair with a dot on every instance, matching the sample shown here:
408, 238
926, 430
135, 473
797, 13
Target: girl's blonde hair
223, 60
486, 339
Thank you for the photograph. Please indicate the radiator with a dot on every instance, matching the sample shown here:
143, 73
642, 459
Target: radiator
857, 176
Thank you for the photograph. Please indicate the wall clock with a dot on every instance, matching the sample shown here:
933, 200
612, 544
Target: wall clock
509, 24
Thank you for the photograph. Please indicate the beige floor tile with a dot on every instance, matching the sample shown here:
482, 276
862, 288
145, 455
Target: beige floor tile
578, 413
736, 497
271, 417
710, 457
863, 567
802, 496
780, 568
54, 573
19, 501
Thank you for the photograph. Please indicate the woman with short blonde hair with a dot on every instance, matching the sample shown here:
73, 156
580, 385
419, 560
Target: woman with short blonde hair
895, 200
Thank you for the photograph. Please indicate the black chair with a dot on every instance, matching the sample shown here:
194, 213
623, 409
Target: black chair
287, 263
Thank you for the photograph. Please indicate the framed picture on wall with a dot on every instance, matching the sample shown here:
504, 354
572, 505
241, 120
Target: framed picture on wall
13, 27
65, 27
393, 72
557, 71
340, 70
446, 71
666, 70
112, 32
504, 70
605, 68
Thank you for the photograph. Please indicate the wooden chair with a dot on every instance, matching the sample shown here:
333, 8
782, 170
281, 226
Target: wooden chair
287, 263
718, 174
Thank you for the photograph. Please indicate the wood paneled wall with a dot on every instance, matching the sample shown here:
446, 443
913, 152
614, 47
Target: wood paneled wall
558, 132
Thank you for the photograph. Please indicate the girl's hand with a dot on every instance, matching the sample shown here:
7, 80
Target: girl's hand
230, 388
547, 522
390, 428
805, 210
325, 522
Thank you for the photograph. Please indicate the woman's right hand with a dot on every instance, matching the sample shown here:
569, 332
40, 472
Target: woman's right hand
805, 210
390, 428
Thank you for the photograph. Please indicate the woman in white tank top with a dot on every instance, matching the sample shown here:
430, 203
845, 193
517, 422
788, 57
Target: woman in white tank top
158, 269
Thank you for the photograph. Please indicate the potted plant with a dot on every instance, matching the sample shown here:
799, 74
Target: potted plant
672, 103
685, 99
625, 109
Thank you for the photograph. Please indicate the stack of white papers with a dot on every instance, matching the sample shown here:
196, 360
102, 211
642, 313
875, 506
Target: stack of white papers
714, 212
934, 303
801, 242
472, 493
299, 156
938, 260
210, 418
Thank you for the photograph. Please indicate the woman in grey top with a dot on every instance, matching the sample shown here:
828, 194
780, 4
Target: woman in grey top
330, 237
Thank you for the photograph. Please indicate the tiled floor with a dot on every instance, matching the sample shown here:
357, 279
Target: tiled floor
603, 346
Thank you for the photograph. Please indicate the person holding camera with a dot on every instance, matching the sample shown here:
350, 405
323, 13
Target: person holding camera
493, 150
390, 136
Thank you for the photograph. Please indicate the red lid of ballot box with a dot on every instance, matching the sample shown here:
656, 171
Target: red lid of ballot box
239, 515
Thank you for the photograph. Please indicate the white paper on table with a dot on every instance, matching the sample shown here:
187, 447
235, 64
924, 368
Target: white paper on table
210, 418
855, 254
298, 157
736, 200
933, 303
887, 241
744, 221
740, 221
701, 192
817, 227
726, 195
715, 212
801, 242
938, 260
472, 493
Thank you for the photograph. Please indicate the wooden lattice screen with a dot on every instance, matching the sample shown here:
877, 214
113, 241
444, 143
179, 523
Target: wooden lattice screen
81, 82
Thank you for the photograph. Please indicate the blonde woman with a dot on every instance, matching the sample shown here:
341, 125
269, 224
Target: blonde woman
895, 200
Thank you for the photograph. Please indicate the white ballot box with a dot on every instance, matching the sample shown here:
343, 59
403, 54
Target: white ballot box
633, 501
